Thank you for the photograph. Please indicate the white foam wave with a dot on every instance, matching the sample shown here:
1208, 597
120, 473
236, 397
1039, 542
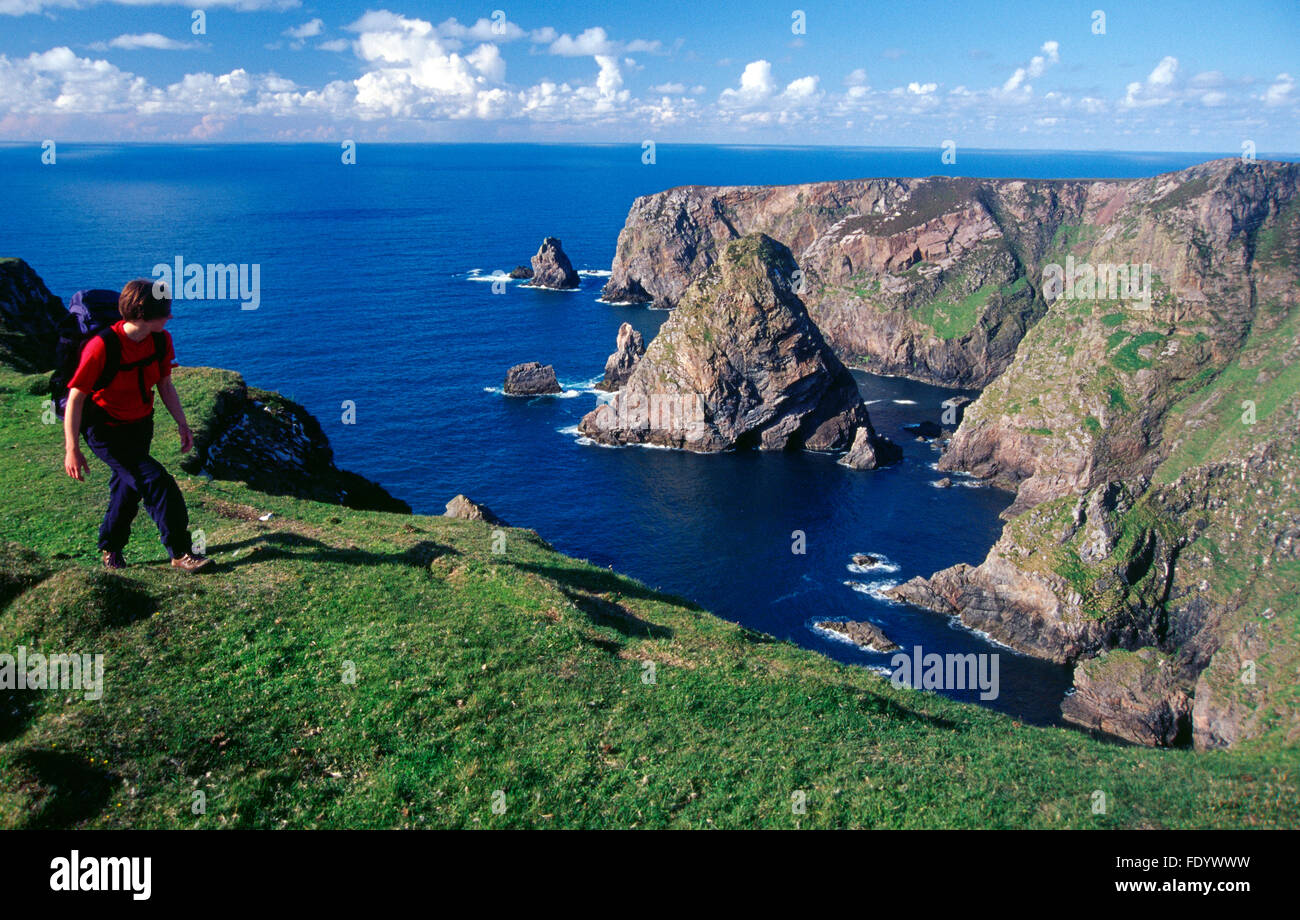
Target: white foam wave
875, 589
905, 402
595, 272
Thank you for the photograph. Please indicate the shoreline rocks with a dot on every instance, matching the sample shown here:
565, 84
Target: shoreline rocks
860, 633
531, 379
629, 349
552, 268
870, 451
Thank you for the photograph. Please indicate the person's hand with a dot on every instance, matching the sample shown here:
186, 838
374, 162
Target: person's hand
74, 464
187, 438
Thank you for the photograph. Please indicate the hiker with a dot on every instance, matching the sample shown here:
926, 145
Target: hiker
116, 416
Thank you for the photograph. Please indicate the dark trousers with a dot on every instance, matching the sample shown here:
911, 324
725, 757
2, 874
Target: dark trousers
136, 476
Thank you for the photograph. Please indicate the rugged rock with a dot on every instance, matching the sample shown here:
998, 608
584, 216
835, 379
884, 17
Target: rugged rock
1154, 450
865, 560
861, 633
944, 483
1133, 695
923, 277
628, 351
469, 510
870, 451
521, 271
29, 318
531, 379
738, 364
551, 267
276, 446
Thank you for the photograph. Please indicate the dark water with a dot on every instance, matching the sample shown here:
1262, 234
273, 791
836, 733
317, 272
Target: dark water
366, 296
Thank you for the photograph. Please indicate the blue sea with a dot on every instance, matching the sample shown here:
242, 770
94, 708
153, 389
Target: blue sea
372, 291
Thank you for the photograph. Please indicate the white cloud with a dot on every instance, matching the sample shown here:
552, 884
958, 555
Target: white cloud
309, 29
1156, 90
756, 85
1037, 66
857, 78
150, 40
672, 88
334, 44
1279, 92
921, 89
27, 7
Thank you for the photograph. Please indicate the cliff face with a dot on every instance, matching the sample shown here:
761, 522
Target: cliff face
924, 277
1154, 447
738, 364
1139, 345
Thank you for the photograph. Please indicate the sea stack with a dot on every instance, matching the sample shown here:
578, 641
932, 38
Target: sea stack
738, 364
531, 379
551, 267
627, 352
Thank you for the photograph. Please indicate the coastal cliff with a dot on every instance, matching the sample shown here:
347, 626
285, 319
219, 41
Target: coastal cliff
1138, 342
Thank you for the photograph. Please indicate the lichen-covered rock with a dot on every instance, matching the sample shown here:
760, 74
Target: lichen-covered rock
627, 352
531, 379
466, 509
738, 364
551, 267
29, 318
1137, 696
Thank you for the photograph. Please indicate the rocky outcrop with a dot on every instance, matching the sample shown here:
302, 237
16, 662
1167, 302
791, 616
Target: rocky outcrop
627, 352
531, 379
273, 444
738, 364
521, 271
551, 267
861, 633
870, 451
1134, 695
1153, 446
468, 510
29, 318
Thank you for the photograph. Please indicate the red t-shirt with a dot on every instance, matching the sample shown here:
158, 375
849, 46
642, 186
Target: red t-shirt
121, 398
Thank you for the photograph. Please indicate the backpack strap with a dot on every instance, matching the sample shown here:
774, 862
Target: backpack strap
112, 357
159, 355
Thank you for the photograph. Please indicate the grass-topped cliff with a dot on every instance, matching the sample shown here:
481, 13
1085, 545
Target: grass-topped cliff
523, 671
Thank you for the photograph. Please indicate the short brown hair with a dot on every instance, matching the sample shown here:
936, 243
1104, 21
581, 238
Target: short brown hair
139, 302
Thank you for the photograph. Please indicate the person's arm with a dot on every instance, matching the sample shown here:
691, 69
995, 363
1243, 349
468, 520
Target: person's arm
74, 461
172, 400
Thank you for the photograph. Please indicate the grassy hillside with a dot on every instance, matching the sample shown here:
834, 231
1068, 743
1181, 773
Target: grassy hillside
523, 671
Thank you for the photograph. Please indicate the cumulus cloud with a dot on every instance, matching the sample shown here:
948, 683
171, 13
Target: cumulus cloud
1157, 89
309, 29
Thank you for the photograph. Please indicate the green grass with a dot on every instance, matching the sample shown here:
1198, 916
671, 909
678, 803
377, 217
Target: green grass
953, 320
478, 671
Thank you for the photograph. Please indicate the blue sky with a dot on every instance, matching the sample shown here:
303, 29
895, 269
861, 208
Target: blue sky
1030, 75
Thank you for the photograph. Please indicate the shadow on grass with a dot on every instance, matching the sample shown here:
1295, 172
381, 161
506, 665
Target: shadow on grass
603, 581
282, 545
75, 790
